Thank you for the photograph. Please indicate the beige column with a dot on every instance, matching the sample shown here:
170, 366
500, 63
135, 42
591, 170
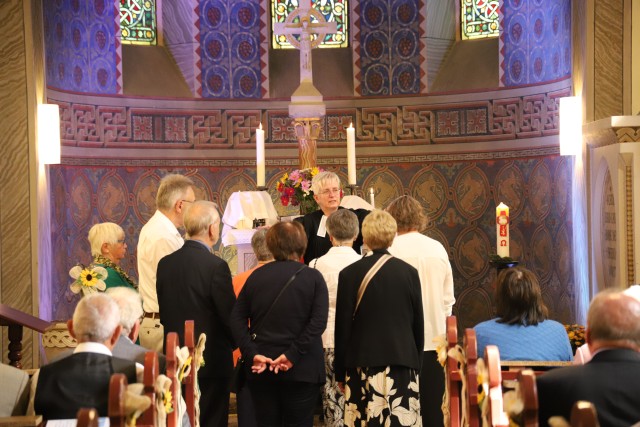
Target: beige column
21, 72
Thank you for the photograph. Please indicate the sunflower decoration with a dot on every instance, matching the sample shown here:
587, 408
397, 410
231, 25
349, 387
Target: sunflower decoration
89, 279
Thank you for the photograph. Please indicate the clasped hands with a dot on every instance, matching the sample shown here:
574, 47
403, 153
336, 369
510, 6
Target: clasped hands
261, 363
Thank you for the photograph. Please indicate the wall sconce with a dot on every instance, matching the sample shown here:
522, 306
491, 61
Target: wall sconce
48, 134
570, 126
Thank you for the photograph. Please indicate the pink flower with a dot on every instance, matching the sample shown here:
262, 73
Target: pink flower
295, 175
306, 185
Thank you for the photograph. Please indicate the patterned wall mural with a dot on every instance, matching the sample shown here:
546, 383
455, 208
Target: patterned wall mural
389, 49
230, 49
231, 59
459, 193
535, 41
82, 42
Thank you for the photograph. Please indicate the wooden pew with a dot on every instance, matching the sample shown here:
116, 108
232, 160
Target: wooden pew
495, 410
87, 417
529, 396
117, 389
583, 414
190, 380
453, 374
472, 409
171, 365
117, 400
151, 372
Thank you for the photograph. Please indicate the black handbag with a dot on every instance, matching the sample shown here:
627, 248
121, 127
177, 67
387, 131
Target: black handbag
239, 376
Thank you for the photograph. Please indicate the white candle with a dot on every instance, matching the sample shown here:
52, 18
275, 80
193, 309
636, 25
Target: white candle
502, 230
260, 156
372, 198
351, 154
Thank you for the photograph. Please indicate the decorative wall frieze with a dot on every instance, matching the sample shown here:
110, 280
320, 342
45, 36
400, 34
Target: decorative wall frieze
90, 124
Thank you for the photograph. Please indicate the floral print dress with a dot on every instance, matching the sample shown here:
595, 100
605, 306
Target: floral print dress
382, 396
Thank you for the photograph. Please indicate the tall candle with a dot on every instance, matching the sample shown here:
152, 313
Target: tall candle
260, 156
351, 154
372, 198
502, 230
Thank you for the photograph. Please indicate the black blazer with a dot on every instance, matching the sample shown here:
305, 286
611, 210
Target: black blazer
78, 381
318, 246
611, 381
194, 284
293, 328
388, 328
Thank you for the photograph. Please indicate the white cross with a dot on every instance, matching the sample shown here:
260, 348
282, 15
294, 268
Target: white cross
305, 28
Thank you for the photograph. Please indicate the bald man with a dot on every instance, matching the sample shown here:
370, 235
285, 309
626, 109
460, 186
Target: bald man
611, 379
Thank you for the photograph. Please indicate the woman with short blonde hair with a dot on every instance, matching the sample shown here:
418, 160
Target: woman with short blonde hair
379, 332
108, 248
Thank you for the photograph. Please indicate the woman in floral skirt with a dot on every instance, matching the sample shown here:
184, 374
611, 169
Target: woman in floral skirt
379, 333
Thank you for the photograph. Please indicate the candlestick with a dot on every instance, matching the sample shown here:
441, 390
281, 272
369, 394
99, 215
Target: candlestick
372, 199
260, 157
351, 154
502, 230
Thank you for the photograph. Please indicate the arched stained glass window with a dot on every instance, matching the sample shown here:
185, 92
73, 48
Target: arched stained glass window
479, 18
138, 22
333, 11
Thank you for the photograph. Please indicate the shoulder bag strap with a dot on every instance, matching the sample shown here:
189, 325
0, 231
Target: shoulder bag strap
286, 285
367, 278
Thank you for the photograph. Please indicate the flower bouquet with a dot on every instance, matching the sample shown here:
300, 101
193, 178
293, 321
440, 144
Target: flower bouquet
88, 280
576, 335
295, 189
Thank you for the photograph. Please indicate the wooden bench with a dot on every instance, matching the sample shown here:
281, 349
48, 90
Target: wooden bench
583, 414
87, 417
171, 366
190, 380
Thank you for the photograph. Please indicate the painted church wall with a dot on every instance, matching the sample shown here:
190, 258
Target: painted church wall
82, 42
460, 155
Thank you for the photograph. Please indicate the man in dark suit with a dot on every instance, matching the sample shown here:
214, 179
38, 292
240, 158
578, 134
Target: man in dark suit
82, 379
194, 284
610, 379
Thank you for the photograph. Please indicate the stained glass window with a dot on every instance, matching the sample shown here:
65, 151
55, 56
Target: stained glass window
138, 22
479, 18
333, 11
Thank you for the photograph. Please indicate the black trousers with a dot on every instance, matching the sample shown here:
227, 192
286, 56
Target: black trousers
246, 412
431, 390
214, 401
284, 403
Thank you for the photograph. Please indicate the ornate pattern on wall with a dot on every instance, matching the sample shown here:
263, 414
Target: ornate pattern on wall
231, 49
459, 194
535, 41
519, 117
389, 51
83, 52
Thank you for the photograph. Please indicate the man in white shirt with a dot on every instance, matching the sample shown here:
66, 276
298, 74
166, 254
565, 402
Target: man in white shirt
430, 258
160, 237
343, 228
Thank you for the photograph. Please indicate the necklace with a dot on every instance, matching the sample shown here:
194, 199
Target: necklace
99, 259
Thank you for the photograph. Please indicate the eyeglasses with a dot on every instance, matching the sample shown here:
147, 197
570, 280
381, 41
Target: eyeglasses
328, 191
120, 241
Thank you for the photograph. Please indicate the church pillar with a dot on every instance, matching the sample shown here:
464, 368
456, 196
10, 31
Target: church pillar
21, 72
614, 162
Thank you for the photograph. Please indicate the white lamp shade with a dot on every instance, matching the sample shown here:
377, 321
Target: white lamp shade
48, 134
570, 126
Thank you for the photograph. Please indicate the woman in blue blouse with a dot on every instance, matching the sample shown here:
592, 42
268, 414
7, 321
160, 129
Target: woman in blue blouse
522, 330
